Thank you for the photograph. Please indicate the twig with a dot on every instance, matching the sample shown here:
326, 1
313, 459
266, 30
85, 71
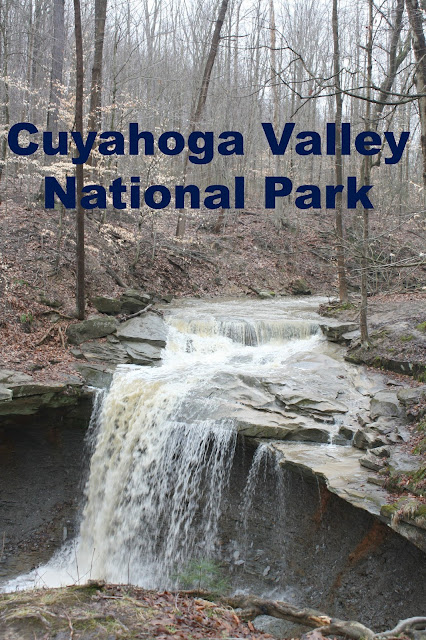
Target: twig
45, 336
62, 315
115, 276
138, 313
61, 335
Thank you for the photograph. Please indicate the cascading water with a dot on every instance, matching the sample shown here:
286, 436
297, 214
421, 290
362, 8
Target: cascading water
164, 445
153, 496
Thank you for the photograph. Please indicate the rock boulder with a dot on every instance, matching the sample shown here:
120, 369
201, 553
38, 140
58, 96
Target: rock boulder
149, 328
96, 327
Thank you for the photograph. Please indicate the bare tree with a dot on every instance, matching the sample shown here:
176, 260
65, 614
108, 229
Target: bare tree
338, 166
57, 63
366, 179
419, 46
4, 49
202, 97
80, 280
94, 121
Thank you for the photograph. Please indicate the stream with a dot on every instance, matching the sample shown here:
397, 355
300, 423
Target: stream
169, 469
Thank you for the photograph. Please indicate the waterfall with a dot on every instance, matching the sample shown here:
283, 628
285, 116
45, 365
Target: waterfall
161, 450
154, 492
247, 331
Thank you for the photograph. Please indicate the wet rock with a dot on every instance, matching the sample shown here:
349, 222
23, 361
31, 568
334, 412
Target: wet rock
21, 395
262, 424
105, 351
149, 328
385, 403
96, 375
142, 353
314, 434
368, 439
372, 462
5, 393
336, 332
346, 432
29, 405
308, 404
381, 452
110, 306
339, 469
35, 389
96, 327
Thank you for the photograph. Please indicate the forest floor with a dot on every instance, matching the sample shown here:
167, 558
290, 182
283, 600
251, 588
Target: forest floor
114, 612
241, 254
37, 273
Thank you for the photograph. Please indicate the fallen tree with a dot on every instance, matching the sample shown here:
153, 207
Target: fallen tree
252, 606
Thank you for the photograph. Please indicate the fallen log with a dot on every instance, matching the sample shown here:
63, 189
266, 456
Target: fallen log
253, 606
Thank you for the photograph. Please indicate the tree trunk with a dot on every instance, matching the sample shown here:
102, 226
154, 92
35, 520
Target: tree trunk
251, 606
202, 97
419, 46
79, 167
341, 271
4, 9
366, 175
57, 64
94, 121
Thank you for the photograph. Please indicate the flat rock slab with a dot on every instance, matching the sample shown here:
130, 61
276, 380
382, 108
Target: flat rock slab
385, 403
340, 469
103, 304
9, 377
300, 402
96, 375
142, 353
37, 388
149, 328
105, 351
97, 327
5, 393
409, 396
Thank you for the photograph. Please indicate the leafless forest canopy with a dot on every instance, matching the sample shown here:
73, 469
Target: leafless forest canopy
299, 61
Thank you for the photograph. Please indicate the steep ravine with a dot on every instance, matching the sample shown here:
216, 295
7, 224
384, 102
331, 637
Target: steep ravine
296, 518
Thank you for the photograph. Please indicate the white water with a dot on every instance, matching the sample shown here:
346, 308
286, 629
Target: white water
161, 457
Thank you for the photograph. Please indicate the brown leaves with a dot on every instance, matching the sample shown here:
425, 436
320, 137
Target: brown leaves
179, 616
